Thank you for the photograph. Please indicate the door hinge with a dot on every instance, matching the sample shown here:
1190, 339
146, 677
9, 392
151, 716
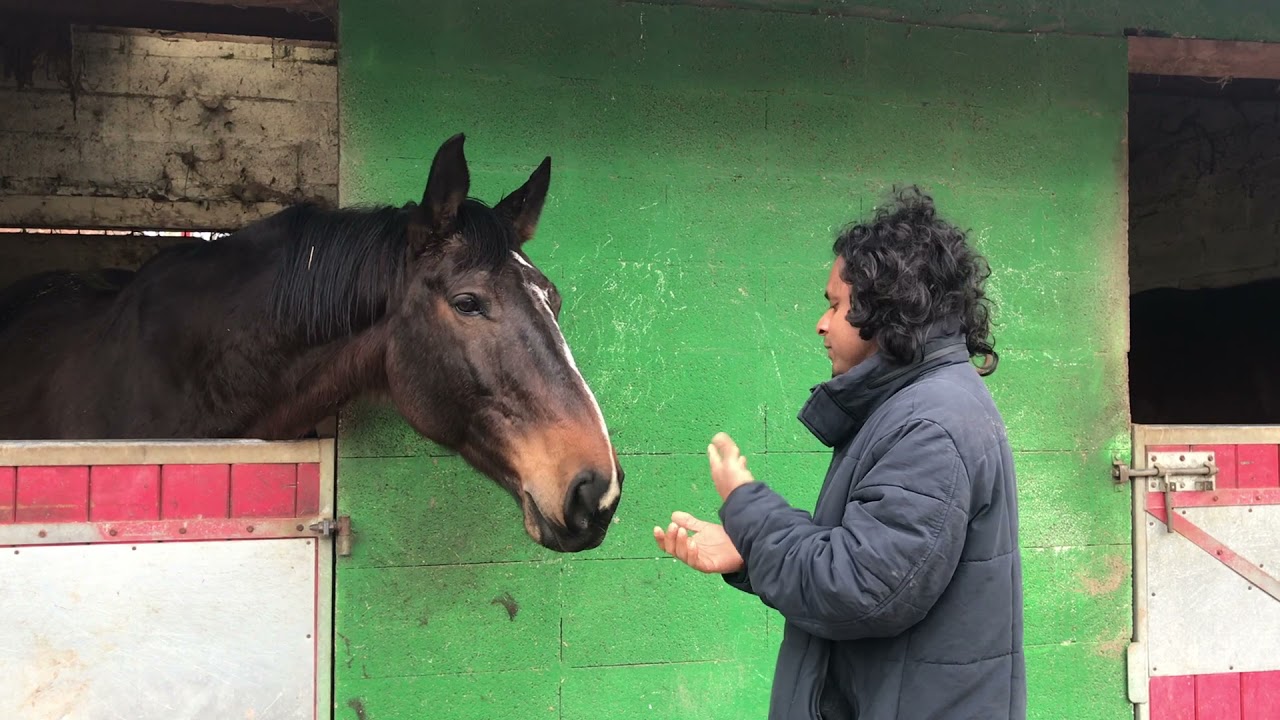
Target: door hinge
1139, 679
340, 527
1170, 472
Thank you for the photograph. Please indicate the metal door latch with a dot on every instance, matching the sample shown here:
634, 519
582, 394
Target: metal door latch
1171, 472
341, 527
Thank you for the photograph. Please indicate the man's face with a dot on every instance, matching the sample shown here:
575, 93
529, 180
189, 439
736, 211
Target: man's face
845, 348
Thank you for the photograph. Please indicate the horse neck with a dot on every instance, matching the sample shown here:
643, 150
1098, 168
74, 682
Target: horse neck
320, 379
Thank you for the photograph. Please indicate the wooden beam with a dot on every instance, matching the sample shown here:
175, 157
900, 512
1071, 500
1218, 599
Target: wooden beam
328, 8
292, 20
1204, 58
50, 453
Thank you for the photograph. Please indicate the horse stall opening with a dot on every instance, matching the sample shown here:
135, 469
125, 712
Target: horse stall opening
1204, 133
1204, 235
178, 578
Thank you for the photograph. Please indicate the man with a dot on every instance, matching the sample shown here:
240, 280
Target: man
902, 594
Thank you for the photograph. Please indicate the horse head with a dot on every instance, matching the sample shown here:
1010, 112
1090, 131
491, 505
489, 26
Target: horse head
476, 361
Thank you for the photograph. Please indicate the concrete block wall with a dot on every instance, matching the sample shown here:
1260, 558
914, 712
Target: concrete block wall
170, 132
703, 162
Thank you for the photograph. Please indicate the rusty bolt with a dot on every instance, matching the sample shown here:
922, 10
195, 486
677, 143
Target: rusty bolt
249, 529
182, 531
298, 528
112, 532
43, 534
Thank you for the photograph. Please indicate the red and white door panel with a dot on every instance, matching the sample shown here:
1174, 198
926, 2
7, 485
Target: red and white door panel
165, 580
1207, 574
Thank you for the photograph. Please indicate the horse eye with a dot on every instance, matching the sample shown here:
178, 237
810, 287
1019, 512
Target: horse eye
467, 305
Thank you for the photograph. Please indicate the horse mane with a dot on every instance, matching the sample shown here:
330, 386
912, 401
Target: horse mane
341, 269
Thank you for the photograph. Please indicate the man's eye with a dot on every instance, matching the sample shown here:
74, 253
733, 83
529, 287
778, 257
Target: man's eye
467, 305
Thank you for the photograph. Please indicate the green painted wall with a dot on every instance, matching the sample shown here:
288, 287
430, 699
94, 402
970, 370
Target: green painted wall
703, 160
1217, 19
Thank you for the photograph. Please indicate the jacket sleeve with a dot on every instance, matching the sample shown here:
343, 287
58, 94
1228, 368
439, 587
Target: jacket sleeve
739, 580
882, 569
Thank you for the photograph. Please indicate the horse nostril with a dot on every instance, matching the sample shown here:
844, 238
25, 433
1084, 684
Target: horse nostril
583, 501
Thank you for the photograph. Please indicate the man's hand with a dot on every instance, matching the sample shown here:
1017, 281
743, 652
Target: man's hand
728, 467
709, 551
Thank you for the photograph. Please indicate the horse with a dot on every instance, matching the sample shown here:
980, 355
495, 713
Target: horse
1205, 356
266, 332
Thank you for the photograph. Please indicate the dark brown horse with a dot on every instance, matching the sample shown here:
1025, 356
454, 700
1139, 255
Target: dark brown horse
266, 332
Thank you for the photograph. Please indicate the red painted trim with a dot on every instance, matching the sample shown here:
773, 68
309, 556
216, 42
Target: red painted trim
1260, 695
1218, 696
156, 531
1203, 540
8, 494
264, 490
195, 491
1258, 466
308, 488
124, 492
52, 494
1173, 698
1241, 497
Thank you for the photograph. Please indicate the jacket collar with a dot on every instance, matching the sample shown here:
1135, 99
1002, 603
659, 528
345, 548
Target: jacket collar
837, 408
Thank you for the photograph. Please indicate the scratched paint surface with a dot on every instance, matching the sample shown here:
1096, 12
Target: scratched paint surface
702, 162
157, 631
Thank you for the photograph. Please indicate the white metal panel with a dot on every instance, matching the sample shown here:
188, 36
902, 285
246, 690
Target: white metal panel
159, 631
1203, 617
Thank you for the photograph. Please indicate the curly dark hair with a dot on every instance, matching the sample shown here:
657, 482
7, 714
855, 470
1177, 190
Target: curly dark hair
911, 270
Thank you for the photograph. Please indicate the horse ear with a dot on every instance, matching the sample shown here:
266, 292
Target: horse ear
447, 187
523, 206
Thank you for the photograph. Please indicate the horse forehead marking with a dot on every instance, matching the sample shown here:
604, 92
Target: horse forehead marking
540, 295
615, 488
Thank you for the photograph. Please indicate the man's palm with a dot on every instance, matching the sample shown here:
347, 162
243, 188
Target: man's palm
708, 551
